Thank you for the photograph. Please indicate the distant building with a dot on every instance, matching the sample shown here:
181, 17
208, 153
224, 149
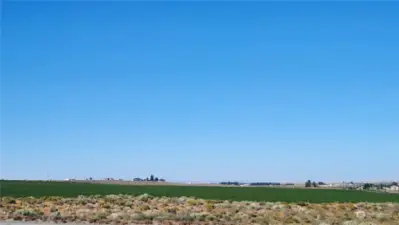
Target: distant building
394, 188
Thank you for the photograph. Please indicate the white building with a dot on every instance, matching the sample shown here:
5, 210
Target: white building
394, 188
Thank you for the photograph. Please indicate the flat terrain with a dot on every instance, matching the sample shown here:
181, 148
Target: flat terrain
67, 189
147, 209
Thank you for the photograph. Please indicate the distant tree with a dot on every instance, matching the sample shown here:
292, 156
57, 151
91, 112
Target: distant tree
156, 179
395, 183
162, 180
314, 184
152, 178
321, 183
308, 183
367, 186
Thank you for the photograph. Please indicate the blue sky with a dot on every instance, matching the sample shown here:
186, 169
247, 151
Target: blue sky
205, 91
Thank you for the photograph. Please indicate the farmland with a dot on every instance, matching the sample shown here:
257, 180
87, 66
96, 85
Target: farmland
66, 189
172, 204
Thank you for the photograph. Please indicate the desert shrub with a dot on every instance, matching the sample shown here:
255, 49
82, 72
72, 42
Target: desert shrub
192, 202
101, 215
144, 197
144, 207
186, 218
26, 212
209, 206
8, 200
55, 215
139, 216
172, 210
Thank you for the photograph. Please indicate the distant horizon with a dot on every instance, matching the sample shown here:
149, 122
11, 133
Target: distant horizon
288, 91
217, 182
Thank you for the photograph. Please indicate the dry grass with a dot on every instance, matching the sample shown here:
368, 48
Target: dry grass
146, 209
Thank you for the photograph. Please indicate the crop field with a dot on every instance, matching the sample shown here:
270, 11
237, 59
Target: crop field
66, 189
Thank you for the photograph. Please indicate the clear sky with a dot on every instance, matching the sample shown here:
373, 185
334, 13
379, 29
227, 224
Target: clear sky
200, 91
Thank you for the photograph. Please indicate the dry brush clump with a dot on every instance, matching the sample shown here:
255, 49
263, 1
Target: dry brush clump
146, 209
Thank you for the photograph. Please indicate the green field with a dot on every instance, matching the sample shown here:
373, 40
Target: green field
43, 188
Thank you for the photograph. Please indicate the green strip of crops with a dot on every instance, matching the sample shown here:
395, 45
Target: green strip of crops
39, 189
